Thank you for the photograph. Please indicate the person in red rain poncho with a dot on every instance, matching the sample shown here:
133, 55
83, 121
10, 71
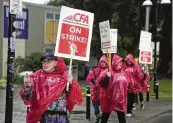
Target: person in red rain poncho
113, 95
131, 68
95, 90
143, 79
45, 92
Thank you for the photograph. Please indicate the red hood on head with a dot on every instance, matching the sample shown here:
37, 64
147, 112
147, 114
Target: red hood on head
116, 59
61, 65
102, 59
130, 59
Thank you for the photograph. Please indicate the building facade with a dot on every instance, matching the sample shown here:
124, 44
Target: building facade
36, 31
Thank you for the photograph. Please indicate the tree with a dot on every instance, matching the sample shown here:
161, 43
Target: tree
166, 43
29, 63
128, 16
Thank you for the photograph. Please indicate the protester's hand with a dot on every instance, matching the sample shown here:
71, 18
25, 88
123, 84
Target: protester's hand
109, 74
27, 81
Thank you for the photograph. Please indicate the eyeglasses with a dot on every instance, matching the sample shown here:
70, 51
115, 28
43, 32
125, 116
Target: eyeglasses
46, 61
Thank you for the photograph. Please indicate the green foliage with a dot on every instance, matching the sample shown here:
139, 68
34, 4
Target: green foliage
128, 16
3, 82
122, 14
84, 92
18, 80
29, 63
54, 2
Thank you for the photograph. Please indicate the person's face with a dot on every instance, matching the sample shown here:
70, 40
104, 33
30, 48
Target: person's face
103, 64
129, 63
48, 65
119, 65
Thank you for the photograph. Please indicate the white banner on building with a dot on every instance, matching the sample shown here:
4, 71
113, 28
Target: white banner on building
105, 35
114, 37
145, 41
16, 7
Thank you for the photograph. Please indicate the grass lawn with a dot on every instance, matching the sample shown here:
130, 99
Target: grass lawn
165, 88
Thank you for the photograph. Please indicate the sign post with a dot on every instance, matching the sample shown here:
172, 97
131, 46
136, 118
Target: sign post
15, 7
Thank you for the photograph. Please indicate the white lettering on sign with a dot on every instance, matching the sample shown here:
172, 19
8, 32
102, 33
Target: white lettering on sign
74, 38
19, 24
23, 16
75, 30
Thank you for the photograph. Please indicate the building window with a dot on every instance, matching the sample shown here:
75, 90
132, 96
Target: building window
51, 26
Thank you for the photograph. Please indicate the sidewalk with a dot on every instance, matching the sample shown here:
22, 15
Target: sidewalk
152, 109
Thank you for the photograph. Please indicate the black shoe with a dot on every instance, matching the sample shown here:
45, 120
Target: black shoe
98, 120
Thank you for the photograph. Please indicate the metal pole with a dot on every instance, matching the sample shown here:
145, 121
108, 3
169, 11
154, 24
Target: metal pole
10, 69
155, 45
88, 96
155, 72
147, 19
157, 89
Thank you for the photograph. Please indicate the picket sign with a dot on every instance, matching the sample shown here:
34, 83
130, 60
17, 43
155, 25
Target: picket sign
74, 36
75, 29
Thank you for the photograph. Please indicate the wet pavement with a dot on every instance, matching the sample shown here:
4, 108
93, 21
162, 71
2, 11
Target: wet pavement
154, 112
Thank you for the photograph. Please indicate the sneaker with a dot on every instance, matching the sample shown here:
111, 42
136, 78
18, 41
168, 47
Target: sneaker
142, 106
129, 114
98, 120
134, 106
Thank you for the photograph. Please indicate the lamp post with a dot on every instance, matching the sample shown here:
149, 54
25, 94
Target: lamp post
148, 3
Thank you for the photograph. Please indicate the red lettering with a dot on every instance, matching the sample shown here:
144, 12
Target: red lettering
77, 17
81, 18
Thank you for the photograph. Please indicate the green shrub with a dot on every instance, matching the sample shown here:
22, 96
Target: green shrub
3, 82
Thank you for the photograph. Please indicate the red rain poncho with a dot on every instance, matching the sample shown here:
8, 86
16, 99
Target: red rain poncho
94, 74
133, 72
114, 96
47, 87
142, 79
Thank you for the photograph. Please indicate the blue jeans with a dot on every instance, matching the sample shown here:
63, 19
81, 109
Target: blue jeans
96, 105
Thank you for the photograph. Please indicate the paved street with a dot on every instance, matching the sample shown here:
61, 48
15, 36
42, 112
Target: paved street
153, 113
162, 118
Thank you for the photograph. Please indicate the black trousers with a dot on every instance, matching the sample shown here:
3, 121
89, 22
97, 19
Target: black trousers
141, 98
130, 100
43, 120
121, 117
